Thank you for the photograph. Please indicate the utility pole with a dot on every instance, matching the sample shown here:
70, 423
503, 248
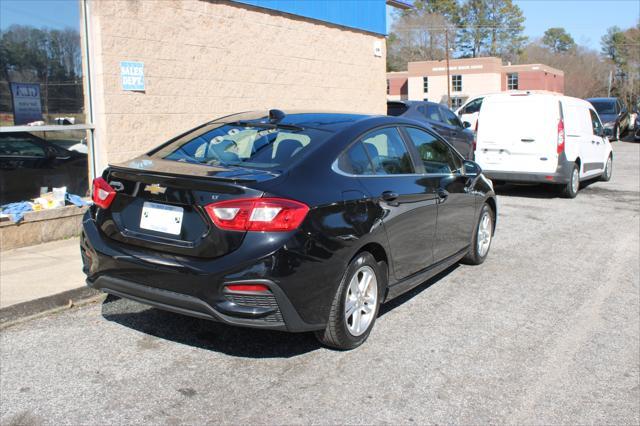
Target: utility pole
446, 53
609, 89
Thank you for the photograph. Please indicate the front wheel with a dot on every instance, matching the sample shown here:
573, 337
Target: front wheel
617, 133
355, 305
482, 236
608, 169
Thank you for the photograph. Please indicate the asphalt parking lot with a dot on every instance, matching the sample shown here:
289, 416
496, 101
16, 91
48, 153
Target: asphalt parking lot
547, 331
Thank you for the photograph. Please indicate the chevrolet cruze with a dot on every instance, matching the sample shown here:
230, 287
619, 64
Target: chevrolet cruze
298, 222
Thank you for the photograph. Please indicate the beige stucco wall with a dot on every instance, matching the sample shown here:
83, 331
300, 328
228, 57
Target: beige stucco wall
206, 59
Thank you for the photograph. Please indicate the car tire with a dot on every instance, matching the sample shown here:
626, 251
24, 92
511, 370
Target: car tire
346, 331
570, 190
616, 133
608, 170
482, 237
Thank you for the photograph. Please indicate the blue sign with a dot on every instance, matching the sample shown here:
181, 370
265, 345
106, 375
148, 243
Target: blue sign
26, 103
132, 74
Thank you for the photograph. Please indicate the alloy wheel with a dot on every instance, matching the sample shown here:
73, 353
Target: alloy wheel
485, 229
361, 299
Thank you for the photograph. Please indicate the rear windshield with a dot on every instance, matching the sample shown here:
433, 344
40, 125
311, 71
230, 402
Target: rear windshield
396, 109
604, 107
260, 146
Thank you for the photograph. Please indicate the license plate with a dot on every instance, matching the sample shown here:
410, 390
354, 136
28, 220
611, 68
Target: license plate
161, 218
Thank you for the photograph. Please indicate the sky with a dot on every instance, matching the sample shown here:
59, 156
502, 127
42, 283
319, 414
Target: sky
56, 14
586, 20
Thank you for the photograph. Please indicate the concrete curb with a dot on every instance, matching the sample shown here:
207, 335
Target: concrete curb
34, 308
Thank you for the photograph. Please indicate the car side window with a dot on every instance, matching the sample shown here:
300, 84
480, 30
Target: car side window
21, 148
595, 123
436, 155
433, 113
387, 152
355, 161
451, 118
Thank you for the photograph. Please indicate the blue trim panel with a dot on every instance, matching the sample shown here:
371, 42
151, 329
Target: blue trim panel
366, 15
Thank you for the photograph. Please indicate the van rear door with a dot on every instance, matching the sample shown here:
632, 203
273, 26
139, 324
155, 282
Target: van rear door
518, 133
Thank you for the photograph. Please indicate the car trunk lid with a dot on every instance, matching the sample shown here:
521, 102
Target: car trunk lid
159, 205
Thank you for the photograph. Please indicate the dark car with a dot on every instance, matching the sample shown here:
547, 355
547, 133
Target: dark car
614, 116
28, 163
441, 119
297, 222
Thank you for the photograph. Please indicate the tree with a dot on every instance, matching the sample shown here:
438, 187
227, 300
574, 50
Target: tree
492, 27
418, 34
475, 31
622, 50
558, 40
585, 72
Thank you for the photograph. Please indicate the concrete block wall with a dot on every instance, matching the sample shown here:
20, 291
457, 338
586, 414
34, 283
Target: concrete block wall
205, 59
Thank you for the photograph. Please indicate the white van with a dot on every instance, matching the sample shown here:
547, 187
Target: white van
542, 137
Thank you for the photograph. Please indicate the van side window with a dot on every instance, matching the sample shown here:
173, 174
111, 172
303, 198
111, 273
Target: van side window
436, 155
595, 123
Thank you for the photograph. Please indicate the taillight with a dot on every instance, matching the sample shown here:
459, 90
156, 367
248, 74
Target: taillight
561, 136
102, 194
257, 214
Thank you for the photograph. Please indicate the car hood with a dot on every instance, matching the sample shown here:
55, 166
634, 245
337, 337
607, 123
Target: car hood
147, 164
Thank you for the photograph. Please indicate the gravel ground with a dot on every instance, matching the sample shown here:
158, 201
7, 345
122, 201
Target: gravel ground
546, 331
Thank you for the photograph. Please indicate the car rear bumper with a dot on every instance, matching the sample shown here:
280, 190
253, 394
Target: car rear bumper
188, 286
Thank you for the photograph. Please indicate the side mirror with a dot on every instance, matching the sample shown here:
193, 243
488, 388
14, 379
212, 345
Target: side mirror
471, 168
466, 124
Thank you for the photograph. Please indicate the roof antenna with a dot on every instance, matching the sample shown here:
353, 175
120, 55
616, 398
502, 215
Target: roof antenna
276, 115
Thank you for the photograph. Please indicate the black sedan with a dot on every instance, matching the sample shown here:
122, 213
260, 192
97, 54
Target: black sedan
441, 119
296, 222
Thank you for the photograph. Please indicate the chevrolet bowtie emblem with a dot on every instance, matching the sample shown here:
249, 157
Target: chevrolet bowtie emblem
155, 189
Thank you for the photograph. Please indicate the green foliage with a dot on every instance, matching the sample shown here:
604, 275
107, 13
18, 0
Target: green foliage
492, 27
558, 40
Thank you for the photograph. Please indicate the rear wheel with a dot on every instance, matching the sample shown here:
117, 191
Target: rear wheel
608, 169
482, 236
355, 305
570, 190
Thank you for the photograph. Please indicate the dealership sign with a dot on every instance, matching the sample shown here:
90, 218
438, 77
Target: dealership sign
132, 74
26, 103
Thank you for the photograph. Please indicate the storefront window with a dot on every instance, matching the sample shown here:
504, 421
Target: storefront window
41, 86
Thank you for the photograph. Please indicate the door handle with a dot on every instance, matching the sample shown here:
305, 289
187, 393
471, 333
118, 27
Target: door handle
527, 140
442, 194
389, 196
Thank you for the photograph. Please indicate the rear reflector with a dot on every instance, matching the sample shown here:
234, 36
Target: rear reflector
102, 194
257, 214
247, 288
